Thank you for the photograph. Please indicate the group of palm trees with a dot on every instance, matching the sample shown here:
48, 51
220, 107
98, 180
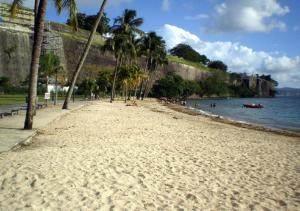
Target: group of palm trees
137, 54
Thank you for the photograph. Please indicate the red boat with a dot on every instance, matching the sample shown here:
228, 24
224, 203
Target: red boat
253, 105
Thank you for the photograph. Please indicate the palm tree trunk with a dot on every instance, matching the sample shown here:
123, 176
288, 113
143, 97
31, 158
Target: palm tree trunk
55, 97
135, 92
147, 88
36, 6
112, 95
126, 93
143, 81
149, 67
34, 67
47, 87
84, 55
123, 92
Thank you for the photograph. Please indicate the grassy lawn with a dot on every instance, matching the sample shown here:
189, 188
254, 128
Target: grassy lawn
183, 61
97, 41
14, 99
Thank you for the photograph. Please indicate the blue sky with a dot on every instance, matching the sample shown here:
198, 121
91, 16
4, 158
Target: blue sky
253, 36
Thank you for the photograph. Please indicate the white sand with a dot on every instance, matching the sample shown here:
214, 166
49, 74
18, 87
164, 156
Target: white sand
109, 156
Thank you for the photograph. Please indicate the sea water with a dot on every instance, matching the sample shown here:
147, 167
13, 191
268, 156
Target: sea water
278, 112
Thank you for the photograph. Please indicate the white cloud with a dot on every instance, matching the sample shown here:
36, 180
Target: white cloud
196, 17
166, 5
247, 15
239, 58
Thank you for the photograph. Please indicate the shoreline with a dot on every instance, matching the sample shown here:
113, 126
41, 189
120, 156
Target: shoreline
195, 112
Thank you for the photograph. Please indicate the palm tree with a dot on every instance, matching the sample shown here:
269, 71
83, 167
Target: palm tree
35, 56
122, 42
127, 23
83, 56
49, 64
123, 50
40, 11
153, 47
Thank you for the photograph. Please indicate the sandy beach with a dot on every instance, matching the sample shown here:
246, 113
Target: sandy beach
116, 157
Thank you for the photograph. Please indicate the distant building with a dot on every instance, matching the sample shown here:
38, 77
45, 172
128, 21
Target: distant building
262, 87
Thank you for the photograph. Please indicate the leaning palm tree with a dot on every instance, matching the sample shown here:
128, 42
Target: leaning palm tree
40, 11
83, 56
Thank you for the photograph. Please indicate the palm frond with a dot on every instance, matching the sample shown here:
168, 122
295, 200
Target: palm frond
71, 6
15, 6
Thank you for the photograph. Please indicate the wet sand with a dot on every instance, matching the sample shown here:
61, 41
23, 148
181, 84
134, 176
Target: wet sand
111, 156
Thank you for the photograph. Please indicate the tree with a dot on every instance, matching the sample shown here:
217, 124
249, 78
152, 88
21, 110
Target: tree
83, 56
153, 47
127, 23
270, 79
171, 86
35, 56
40, 11
88, 87
215, 84
49, 65
219, 65
104, 80
86, 22
187, 52
122, 42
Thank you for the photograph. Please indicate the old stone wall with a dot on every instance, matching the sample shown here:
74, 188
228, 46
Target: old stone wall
15, 54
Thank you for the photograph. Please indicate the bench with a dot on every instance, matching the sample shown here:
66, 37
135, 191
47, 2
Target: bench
38, 106
9, 112
14, 111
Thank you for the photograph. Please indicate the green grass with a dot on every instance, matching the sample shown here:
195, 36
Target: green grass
97, 41
14, 99
186, 62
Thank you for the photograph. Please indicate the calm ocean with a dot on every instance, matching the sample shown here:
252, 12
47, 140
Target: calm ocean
278, 112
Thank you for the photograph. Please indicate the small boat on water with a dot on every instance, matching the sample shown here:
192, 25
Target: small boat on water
253, 105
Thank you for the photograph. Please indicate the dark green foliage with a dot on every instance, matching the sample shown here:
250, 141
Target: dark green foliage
215, 84
50, 64
190, 88
87, 21
87, 87
269, 78
242, 91
104, 80
219, 65
187, 52
6, 87
172, 86
4, 81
